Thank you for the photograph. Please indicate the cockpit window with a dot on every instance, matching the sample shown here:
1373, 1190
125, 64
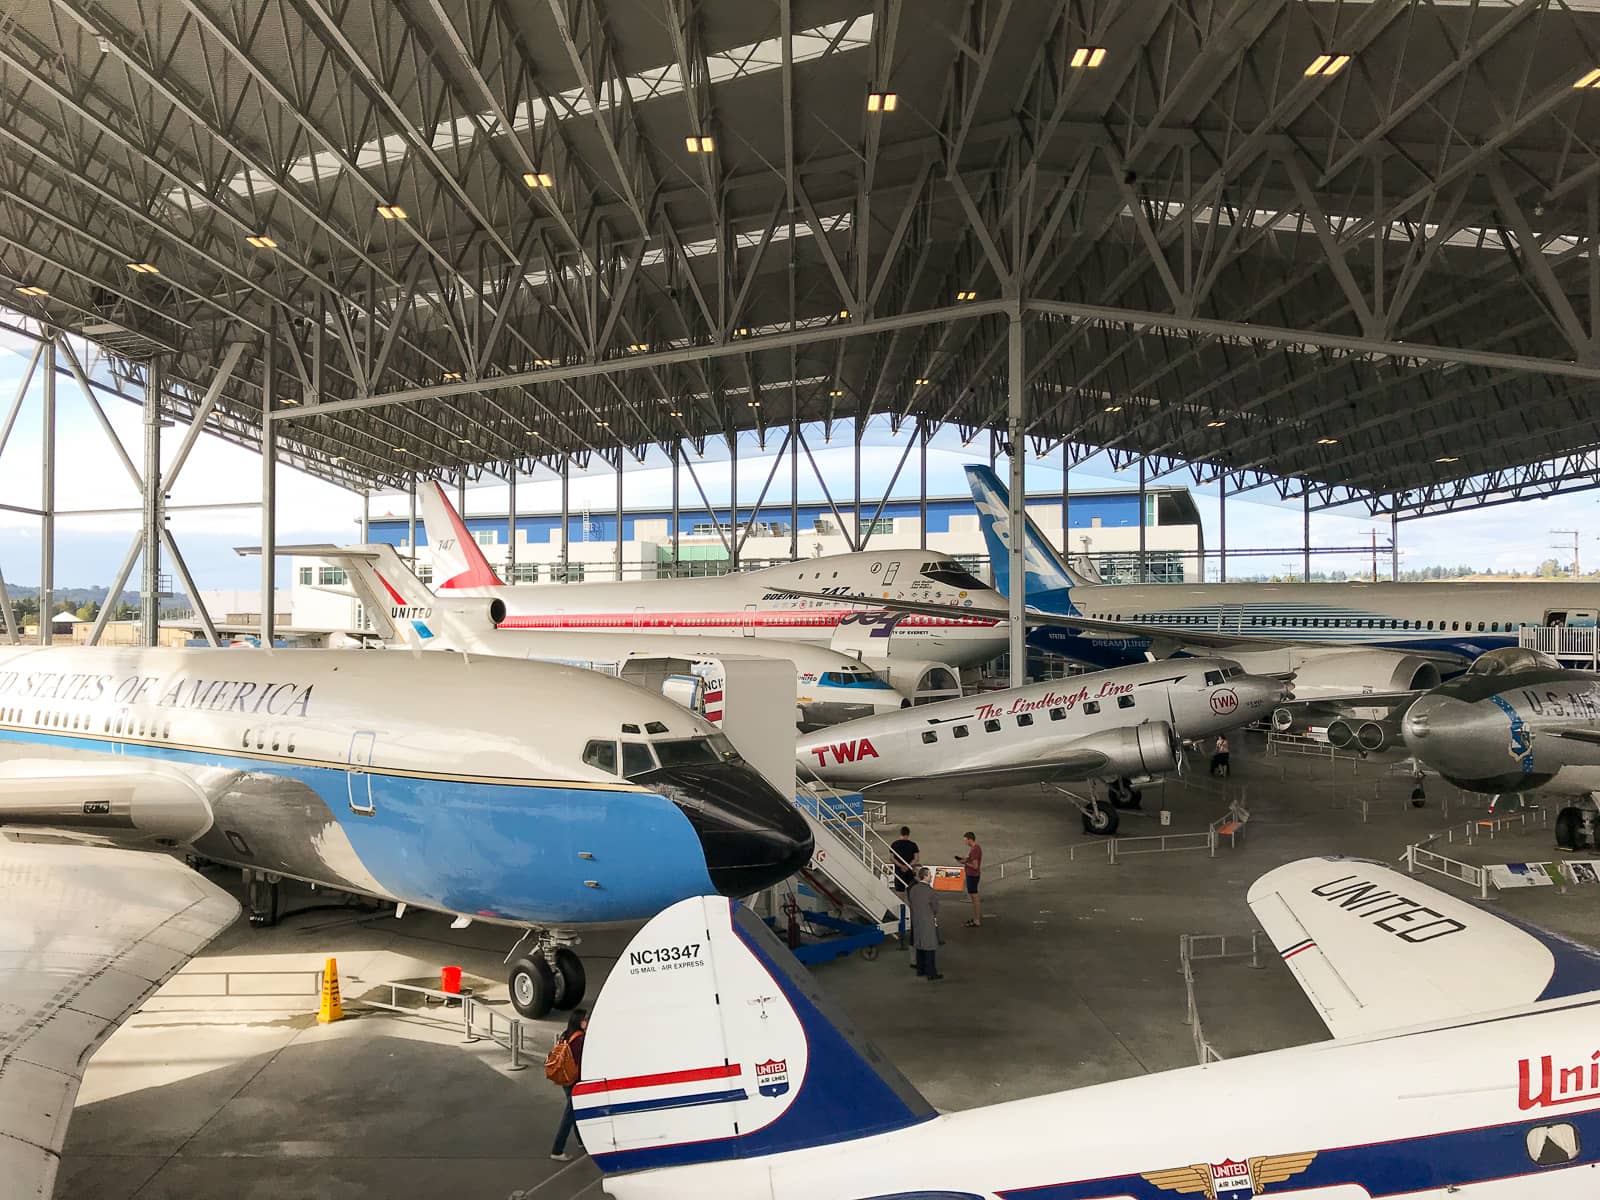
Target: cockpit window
655, 727
602, 755
696, 752
1213, 678
636, 759
952, 575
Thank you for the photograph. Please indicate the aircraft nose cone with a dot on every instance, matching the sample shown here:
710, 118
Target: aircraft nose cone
1457, 738
751, 835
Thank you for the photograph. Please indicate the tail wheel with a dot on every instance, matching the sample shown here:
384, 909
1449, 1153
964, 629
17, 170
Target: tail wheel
1100, 818
533, 987
570, 980
1569, 829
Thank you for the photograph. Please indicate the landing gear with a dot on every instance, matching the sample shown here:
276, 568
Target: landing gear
262, 897
1123, 794
1100, 817
549, 977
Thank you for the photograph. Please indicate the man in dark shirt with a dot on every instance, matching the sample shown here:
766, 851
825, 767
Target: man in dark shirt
905, 853
972, 861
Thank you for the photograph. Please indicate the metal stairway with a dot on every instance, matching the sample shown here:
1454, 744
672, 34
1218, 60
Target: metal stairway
850, 867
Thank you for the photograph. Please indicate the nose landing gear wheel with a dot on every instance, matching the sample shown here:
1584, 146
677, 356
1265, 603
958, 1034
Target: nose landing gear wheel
1101, 818
533, 987
570, 980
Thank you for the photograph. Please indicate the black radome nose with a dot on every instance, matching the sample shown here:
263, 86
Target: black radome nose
751, 835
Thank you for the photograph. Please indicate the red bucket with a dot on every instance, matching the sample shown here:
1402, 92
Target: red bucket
450, 980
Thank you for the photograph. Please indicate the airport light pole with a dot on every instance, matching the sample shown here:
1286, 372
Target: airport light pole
1573, 534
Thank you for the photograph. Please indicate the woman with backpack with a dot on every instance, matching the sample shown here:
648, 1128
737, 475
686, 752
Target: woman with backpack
563, 1066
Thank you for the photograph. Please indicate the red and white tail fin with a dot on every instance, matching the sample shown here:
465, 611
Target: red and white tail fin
711, 1042
457, 561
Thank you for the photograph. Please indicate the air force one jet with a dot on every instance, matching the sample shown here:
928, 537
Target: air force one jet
1339, 639
918, 654
1463, 1064
829, 687
540, 797
1106, 725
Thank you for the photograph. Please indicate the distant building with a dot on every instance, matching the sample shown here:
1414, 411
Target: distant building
1103, 525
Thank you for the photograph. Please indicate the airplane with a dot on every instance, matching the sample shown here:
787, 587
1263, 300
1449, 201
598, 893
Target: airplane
829, 687
918, 654
1462, 1064
1110, 725
539, 797
1340, 640
1517, 722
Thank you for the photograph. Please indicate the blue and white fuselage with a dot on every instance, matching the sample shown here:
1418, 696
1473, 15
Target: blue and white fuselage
489, 788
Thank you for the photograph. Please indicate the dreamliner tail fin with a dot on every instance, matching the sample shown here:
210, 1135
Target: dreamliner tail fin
457, 561
711, 1042
1376, 950
1046, 570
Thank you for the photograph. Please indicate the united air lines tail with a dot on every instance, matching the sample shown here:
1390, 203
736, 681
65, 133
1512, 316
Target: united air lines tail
713, 1067
457, 560
1047, 571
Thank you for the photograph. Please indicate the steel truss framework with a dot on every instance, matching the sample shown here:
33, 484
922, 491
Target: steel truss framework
1375, 283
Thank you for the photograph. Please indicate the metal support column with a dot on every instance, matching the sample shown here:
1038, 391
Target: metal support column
47, 498
1222, 532
411, 520
1394, 543
269, 484
1016, 600
154, 515
1144, 520
566, 514
922, 482
1305, 536
857, 539
733, 501
617, 570
366, 516
794, 489
511, 523
677, 514
1066, 502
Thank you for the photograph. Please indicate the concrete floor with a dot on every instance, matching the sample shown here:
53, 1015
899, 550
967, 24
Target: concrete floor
1072, 980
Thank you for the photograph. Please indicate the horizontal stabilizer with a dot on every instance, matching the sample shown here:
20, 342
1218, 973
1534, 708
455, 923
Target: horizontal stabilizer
711, 1042
1375, 949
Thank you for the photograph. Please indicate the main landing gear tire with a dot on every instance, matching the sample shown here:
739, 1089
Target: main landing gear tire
1569, 829
1123, 794
570, 980
533, 987
1101, 818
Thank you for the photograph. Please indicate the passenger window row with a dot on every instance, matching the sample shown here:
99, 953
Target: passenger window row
1238, 620
123, 724
261, 739
1023, 720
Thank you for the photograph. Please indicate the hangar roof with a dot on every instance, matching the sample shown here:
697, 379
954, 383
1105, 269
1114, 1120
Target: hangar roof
1350, 248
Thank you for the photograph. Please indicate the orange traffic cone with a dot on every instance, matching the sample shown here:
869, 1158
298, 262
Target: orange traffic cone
332, 1007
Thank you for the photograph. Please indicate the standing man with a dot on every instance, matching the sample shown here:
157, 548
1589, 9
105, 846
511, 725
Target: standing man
906, 854
1219, 757
972, 860
924, 904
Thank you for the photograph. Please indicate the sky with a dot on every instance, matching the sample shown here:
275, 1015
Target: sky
90, 475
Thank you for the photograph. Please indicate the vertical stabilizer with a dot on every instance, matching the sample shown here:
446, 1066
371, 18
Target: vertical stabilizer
457, 560
711, 1042
1046, 571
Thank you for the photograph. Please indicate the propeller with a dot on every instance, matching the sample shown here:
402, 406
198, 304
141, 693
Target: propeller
1179, 754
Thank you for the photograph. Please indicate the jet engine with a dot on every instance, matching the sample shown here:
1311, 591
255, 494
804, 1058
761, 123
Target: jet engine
1148, 749
1347, 674
475, 614
1367, 737
151, 805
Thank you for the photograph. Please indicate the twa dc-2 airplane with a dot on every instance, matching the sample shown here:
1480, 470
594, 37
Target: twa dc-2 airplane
1465, 1062
539, 797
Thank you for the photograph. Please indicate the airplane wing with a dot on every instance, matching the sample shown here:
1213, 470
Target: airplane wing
1165, 639
1377, 950
86, 934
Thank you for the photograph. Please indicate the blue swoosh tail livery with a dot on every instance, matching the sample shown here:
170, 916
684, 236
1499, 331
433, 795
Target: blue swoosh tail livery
1464, 1063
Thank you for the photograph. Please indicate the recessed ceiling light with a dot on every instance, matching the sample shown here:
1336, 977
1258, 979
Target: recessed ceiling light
337, 458
637, 347
144, 268
399, 449
752, 404
699, 145
1448, 458
882, 101
1591, 80
1327, 441
674, 413
966, 295
1215, 424
923, 381
1327, 65
392, 212
451, 376
539, 179
603, 424
261, 241
844, 314
1113, 408
742, 331
836, 392
32, 289
1088, 56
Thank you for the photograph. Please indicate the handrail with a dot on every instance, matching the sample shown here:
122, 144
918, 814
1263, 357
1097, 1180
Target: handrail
855, 832
1418, 858
1188, 955
512, 1033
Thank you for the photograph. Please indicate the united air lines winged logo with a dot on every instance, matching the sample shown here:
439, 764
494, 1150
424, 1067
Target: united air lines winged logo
1231, 1179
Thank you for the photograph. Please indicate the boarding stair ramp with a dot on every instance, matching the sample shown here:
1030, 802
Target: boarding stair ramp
1574, 647
851, 867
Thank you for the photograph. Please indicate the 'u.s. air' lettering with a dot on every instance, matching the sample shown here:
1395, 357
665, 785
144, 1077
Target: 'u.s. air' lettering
1389, 911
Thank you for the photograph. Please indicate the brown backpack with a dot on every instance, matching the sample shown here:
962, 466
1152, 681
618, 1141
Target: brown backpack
561, 1065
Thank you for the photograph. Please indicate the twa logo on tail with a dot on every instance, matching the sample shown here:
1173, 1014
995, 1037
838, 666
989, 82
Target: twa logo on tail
858, 750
